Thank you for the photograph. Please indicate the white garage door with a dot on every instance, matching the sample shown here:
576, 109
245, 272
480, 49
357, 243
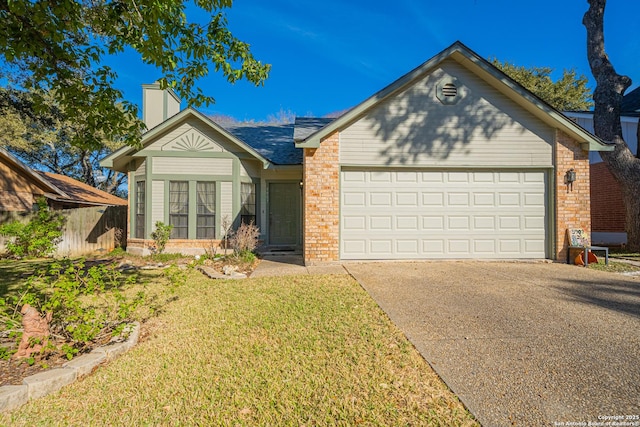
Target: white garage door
442, 214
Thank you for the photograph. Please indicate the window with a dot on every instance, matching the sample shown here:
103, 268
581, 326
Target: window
139, 212
179, 209
206, 220
248, 208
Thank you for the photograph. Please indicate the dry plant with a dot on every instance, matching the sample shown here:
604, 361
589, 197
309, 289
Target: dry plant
245, 238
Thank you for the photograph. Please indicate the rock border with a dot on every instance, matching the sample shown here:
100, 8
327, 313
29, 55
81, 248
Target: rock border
47, 382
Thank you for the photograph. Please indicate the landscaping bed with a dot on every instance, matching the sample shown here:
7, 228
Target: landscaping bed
156, 276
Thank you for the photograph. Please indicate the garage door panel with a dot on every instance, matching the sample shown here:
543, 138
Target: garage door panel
381, 223
356, 199
487, 247
433, 199
380, 199
377, 246
433, 246
407, 247
407, 199
443, 214
407, 223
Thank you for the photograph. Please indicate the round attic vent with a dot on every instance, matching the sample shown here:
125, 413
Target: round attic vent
448, 91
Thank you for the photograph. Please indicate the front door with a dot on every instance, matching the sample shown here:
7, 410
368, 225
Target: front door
284, 213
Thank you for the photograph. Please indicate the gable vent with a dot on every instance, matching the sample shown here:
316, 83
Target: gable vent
449, 89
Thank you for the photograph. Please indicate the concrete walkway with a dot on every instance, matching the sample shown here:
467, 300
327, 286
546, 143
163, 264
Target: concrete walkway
521, 344
284, 265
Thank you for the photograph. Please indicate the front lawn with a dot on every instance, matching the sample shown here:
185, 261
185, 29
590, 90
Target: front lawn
296, 350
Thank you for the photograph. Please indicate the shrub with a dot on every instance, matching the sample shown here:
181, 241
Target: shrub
244, 241
38, 237
245, 238
161, 235
87, 304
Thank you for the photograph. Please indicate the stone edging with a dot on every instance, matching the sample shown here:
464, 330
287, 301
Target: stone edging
47, 382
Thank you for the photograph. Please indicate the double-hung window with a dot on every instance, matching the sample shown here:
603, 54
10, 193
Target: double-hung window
206, 210
139, 212
248, 207
179, 209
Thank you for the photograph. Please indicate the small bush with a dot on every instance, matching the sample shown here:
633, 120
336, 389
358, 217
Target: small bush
87, 304
245, 238
161, 235
38, 237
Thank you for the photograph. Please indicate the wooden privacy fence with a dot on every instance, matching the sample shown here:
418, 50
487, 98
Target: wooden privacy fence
92, 230
97, 229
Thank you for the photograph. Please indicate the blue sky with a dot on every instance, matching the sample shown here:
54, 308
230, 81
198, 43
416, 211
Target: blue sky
330, 55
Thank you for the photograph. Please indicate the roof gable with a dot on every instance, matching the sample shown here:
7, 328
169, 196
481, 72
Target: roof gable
191, 140
30, 174
485, 71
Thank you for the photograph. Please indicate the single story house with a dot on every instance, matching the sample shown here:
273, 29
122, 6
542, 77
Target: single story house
452, 160
608, 222
92, 216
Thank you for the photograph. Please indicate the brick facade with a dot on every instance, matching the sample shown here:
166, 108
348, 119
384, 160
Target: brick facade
321, 200
145, 247
572, 205
607, 205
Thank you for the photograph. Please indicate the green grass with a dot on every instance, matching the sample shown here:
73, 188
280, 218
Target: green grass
614, 266
14, 273
296, 350
623, 253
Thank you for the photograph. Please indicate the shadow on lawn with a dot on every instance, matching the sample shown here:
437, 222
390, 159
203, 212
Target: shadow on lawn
617, 295
14, 273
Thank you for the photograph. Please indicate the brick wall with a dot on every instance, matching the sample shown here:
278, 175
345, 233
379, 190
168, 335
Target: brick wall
321, 171
573, 207
607, 206
183, 246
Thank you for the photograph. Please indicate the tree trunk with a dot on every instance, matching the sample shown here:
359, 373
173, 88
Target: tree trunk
607, 98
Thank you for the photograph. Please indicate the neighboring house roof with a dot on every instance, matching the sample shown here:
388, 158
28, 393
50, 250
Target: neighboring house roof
43, 183
631, 102
484, 70
62, 188
119, 159
273, 141
81, 193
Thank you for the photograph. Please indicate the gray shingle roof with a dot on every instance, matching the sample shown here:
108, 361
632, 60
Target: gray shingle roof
306, 126
276, 142
273, 141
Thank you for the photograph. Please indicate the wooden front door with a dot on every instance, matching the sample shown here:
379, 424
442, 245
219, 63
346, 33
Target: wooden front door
284, 213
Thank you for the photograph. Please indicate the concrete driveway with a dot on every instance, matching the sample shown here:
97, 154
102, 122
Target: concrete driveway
524, 344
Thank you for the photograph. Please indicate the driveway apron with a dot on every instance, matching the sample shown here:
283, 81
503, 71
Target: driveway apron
524, 344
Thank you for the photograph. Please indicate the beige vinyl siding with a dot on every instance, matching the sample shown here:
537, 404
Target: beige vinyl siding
226, 200
249, 169
157, 202
484, 128
192, 166
142, 169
